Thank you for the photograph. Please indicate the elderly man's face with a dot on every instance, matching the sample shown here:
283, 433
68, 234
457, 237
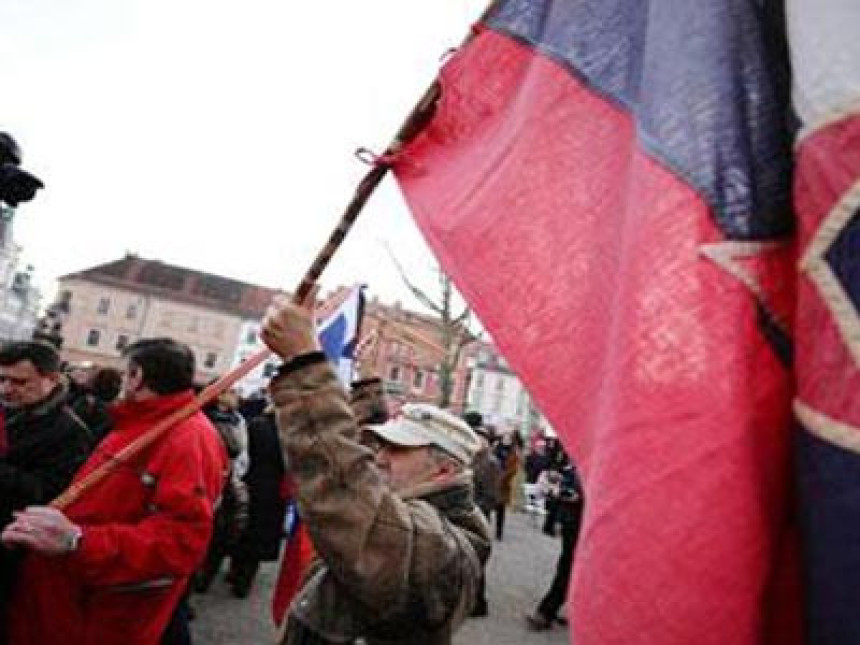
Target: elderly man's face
404, 468
21, 384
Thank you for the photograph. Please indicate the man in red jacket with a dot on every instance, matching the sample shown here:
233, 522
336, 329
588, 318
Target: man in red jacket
111, 568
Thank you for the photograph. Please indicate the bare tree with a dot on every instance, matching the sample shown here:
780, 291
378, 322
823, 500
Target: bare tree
454, 333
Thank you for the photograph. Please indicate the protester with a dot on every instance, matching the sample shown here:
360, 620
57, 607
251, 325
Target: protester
261, 539
369, 406
399, 539
485, 468
111, 567
253, 405
91, 397
487, 482
42, 443
231, 518
550, 482
507, 454
536, 462
569, 517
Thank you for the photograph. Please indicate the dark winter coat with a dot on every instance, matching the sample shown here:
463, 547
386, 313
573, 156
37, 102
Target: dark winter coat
487, 481
45, 444
94, 412
261, 541
231, 518
534, 465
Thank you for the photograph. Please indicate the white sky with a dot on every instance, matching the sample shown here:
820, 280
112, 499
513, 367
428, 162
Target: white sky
217, 135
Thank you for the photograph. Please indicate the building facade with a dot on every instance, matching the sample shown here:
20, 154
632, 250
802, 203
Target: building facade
496, 392
399, 345
405, 349
107, 307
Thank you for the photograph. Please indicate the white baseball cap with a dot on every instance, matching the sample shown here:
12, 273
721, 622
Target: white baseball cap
421, 424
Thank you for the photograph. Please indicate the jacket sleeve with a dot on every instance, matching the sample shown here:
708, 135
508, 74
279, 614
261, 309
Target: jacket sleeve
60, 459
367, 398
171, 540
397, 558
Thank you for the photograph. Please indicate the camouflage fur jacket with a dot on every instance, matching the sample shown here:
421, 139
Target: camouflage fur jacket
392, 568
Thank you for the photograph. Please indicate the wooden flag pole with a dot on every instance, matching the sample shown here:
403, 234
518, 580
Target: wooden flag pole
419, 117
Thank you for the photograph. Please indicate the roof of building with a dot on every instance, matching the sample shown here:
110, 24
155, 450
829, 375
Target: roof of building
179, 284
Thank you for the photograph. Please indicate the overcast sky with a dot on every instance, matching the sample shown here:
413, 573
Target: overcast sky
217, 135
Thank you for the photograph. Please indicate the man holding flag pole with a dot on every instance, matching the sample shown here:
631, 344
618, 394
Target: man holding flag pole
400, 541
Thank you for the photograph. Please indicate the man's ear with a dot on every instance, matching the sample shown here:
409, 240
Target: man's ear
135, 375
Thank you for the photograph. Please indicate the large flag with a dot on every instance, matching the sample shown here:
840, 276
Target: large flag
338, 330
608, 184
826, 65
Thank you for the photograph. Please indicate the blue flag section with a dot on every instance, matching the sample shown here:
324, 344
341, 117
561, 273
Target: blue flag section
826, 62
339, 332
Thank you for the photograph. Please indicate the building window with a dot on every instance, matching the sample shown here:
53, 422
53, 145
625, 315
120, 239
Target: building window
211, 360
479, 380
251, 337
121, 342
64, 301
500, 385
394, 373
131, 312
418, 380
93, 338
104, 305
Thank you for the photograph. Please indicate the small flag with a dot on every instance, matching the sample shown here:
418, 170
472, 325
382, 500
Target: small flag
298, 554
339, 332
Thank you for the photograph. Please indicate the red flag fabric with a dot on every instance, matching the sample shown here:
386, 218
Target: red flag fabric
607, 183
297, 557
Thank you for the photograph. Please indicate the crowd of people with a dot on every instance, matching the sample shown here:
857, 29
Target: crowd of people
398, 509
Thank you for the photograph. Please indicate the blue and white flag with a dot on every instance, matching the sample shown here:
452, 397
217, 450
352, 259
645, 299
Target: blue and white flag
338, 333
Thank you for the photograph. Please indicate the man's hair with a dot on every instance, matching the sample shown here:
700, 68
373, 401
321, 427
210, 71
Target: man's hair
474, 419
106, 384
167, 366
42, 355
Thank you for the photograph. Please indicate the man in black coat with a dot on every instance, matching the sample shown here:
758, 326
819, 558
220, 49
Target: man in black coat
42, 442
569, 517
